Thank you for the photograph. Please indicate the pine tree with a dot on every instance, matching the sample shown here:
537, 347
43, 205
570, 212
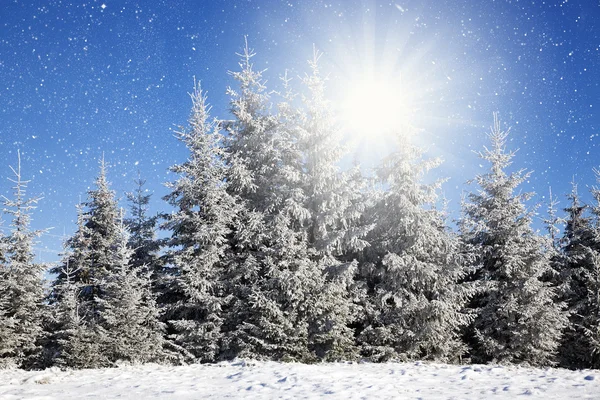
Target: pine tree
142, 239
21, 282
415, 302
251, 152
334, 231
92, 244
580, 279
202, 227
129, 316
92, 265
276, 279
74, 341
102, 224
142, 228
517, 318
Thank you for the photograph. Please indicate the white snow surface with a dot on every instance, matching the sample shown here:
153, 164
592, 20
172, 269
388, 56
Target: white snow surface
270, 380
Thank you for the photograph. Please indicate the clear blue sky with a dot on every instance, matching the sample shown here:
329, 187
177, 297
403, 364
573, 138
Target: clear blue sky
78, 79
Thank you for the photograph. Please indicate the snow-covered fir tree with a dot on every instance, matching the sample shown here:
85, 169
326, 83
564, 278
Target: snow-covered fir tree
92, 244
202, 228
275, 279
518, 319
142, 240
142, 228
414, 308
102, 224
22, 308
92, 265
129, 326
580, 283
334, 230
74, 341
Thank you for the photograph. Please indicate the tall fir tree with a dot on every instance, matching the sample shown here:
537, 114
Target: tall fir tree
415, 303
580, 282
334, 230
276, 278
22, 307
518, 318
116, 313
202, 228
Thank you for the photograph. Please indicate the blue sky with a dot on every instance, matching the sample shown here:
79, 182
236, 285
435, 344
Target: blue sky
82, 79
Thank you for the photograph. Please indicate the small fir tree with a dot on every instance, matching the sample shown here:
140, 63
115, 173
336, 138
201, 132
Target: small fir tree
142, 228
129, 315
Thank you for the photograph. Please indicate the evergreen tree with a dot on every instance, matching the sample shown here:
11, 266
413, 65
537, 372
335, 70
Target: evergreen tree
142, 239
92, 244
142, 228
202, 227
102, 224
21, 282
415, 304
580, 278
276, 279
130, 330
334, 230
116, 312
75, 341
252, 154
517, 318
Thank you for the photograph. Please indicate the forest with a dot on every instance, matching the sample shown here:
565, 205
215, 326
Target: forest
274, 252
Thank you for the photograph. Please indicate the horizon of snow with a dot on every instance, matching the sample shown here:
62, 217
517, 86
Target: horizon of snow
266, 380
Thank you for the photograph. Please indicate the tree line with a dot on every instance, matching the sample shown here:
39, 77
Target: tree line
274, 252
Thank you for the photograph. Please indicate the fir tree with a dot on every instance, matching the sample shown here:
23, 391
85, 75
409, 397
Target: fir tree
251, 153
142, 239
201, 228
415, 303
21, 282
517, 318
92, 244
93, 266
580, 278
142, 228
101, 222
129, 326
276, 279
75, 341
334, 231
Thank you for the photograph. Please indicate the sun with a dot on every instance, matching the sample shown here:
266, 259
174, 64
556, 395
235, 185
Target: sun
375, 108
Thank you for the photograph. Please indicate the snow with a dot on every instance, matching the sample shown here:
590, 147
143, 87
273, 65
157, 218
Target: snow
250, 379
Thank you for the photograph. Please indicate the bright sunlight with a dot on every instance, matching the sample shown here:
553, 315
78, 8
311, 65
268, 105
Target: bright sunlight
375, 108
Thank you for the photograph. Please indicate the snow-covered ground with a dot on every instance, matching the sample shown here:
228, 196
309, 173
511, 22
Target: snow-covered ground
275, 380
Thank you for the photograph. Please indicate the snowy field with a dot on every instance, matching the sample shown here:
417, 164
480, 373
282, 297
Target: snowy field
271, 380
